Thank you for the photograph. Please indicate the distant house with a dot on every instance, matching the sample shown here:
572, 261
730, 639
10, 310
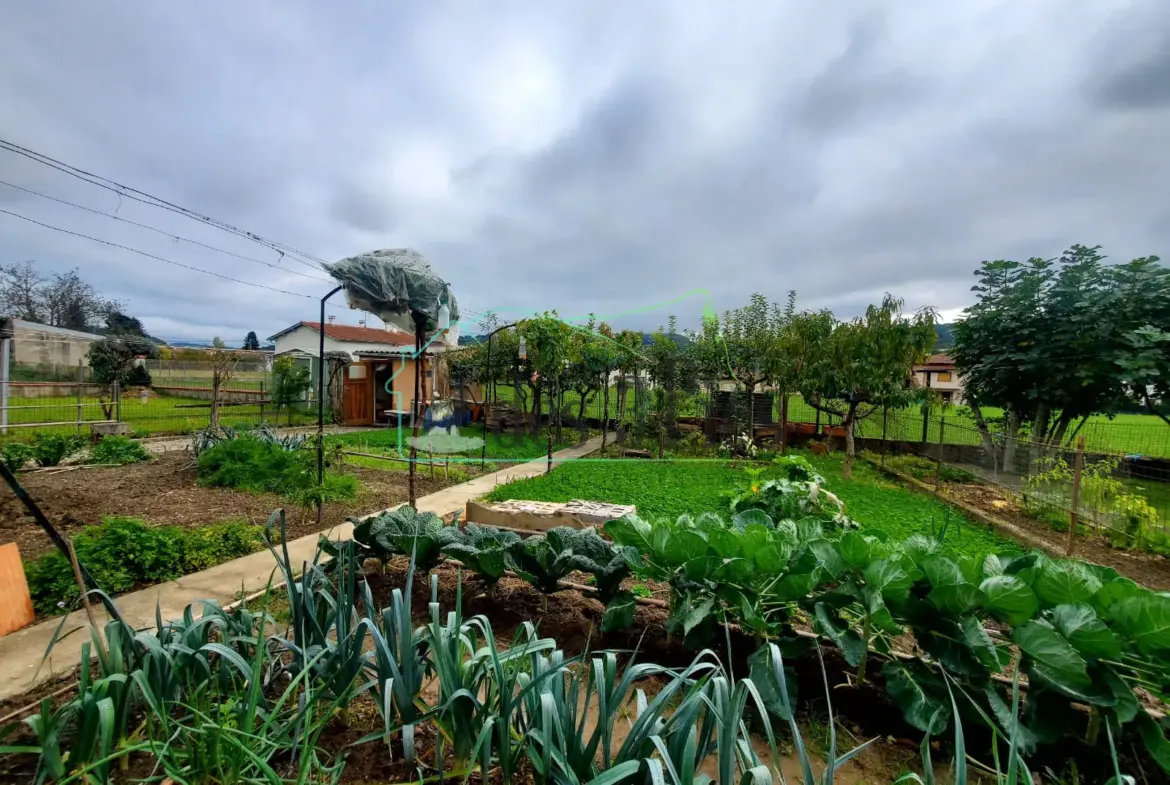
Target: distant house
938, 373
41, 344
379, 379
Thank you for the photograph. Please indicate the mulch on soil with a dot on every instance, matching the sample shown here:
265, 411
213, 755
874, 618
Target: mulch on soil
166, 491
1148, 569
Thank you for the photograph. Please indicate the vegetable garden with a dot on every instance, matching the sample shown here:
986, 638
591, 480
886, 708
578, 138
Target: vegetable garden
779, 609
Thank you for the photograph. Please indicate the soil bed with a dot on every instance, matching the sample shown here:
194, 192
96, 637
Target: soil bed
1147, 569
166, 491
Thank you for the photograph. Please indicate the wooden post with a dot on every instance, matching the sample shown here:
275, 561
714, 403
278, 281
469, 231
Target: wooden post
117, 401
885, 426
548, 470
784, 424
1074, 514
85, 600
925, 421
80, 392
942, 424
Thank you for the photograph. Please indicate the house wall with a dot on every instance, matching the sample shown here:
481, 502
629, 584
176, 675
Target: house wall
39, 344
308, 341
954, 386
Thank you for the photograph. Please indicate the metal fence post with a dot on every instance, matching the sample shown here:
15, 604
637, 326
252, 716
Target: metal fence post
1074, 514
80, 392
942, 424
925, 422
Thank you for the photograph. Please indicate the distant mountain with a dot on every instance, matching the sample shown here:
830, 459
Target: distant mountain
946, 336
682, 341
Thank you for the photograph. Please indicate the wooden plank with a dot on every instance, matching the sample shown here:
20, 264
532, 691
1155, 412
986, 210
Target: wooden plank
542, 516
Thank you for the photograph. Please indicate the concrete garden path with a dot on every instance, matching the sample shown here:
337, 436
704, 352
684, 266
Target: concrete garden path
21, 652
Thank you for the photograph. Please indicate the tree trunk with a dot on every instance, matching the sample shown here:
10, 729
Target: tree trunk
581, 427
1039, 430
215, 382
639, 408
847, 465
1061, 428
1153, 409
1011, 437
784, 423
981, 424
604, 408
537, 401
622, 389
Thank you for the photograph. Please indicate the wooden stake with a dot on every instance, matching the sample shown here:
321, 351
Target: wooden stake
85, 602
1074, 514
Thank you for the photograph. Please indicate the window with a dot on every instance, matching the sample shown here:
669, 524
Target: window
944, 376
357, 371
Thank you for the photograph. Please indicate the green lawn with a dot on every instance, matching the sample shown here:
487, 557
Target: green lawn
509, 448
671, 489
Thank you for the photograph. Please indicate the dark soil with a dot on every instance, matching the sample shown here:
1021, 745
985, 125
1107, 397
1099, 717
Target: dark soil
166, 491
1147, 569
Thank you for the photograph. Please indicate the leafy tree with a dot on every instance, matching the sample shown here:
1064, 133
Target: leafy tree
630, 362
797, 344
290, 382
862, 365
217, 343
1054, 341
547, 342
111, 362
674, 370
740, 345
251, 342
223, 368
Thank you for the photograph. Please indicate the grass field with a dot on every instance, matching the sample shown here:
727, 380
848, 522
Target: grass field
160, 414
503, 448
671, 489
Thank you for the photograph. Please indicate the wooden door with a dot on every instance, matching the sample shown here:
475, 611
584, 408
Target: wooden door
359, 395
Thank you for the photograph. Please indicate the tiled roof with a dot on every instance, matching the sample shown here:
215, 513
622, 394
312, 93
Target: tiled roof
344, 332
941, 359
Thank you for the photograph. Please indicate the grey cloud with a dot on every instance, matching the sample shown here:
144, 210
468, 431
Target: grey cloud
594, 161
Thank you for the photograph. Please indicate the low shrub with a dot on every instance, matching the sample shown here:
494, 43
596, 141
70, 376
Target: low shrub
253, 463
15, 455
125, 553
49, 449
118, 450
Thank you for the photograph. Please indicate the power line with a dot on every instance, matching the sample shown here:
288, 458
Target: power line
149, 199
158, 258
163, 232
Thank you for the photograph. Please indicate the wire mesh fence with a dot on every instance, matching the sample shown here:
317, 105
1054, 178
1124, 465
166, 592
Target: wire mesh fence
1062, 487
46, 398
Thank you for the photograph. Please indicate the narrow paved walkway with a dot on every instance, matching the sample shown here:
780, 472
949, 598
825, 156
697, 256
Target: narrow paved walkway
21, 651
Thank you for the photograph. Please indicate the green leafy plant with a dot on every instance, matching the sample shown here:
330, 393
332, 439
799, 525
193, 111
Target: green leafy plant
49, 449
15, 455
483, 549
118, 450
407, 532
264, 462
124, 553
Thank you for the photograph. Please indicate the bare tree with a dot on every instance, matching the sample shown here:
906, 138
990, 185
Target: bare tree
223, 368
20, 291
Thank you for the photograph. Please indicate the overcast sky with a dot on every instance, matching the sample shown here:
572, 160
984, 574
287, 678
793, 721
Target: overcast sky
584, 156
